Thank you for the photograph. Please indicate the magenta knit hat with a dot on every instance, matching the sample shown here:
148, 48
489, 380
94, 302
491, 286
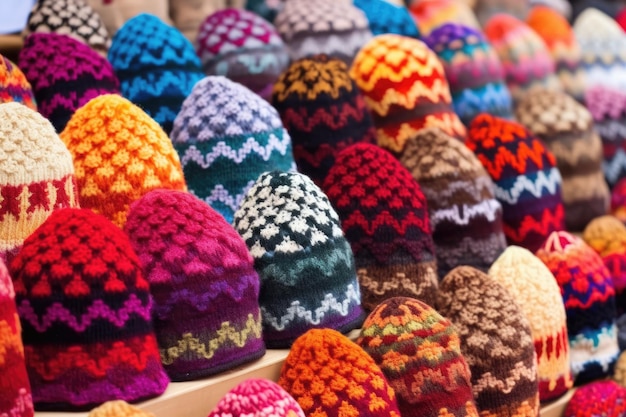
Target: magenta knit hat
598, 399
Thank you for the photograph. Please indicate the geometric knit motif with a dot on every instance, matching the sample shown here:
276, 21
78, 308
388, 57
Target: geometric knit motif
14, 86
330, 375
120, 154
430, 14
206, 309
336, 28
419, 351
405, 88
536, 292
496, 341
62, 86
599, 398
118, 408
618, 200
386, 17
524, 55
85, 309
226, 136
589, 299
566, 128
465, 216
527, 181
323, 111
384, 216
242, 47
156, 65
473, 70
306, 266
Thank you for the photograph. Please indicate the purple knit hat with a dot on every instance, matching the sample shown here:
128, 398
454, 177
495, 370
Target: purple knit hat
65, 74
206, 313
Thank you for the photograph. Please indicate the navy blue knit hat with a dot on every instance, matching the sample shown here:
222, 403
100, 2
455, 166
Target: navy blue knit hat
156, 65
385, 17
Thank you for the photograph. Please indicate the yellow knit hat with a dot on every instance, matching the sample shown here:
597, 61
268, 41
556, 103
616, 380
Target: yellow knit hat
118, 409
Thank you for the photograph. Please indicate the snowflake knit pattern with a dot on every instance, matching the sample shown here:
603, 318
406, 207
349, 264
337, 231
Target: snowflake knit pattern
386, 17
120, 154
430, 14
118, 408
599, 398
14, 86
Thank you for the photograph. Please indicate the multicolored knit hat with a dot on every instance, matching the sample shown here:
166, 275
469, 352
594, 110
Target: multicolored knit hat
385, 218
599, 398
536, 292
226, 137
496, 341
385, 17
323, 111
419, 351
74, 18
118, 408
242, 47
62, 86
330, 375
486, 9
308, 278
34, 164
405, 87
257, 397
589, 298
157, 66
527, 180
120, 154
618, 200
473, 70
465, 217
566, 128
430, 14
336, 28
14, 86
524, 55
85, 309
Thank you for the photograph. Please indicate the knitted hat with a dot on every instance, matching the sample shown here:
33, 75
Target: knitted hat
385, 17
336, 28
473, 70
524, 55
226, 137
527, 181
85, 308
329, 375
118, 408
465, 217
405, 87
242, 47
430, 14
257, 397
323, 111
205, 289
419, 351
589, 298
566, 128
14, 86
496, 341
267, 9
15, 396
157, 66
120, 154
600, 398
559, 37
385, 218
486, 9
536, 292
34, 164
308, 278
65, 75
618, 200
75, 18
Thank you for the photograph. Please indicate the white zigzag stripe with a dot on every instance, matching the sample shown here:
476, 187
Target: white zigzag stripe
221, 194
613, 167
487, 208
611, 130
328, 304
523, 183
237, 155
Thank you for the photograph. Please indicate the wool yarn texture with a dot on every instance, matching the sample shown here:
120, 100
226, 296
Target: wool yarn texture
385, 218
618, 200
496, 341
473, 70
599, 398
118, 408
306, 265
226, 136
405, 88
465, 216
119, 154
242, 47
386, 17
526, 178
85, 309
323, 111
430, 14
156, 65
329, 375
14, 86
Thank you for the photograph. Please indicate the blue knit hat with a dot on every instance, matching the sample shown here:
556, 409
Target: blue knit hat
156, 65
226, 136
385, 17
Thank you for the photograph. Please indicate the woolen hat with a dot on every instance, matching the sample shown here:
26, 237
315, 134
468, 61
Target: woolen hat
14, 86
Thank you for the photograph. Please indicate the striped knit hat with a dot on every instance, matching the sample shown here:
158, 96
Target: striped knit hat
430, 14
405, 87
465, 217
536, 292
386, 17
599, 398
14, 86
118, 408
257, 397
226, 137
